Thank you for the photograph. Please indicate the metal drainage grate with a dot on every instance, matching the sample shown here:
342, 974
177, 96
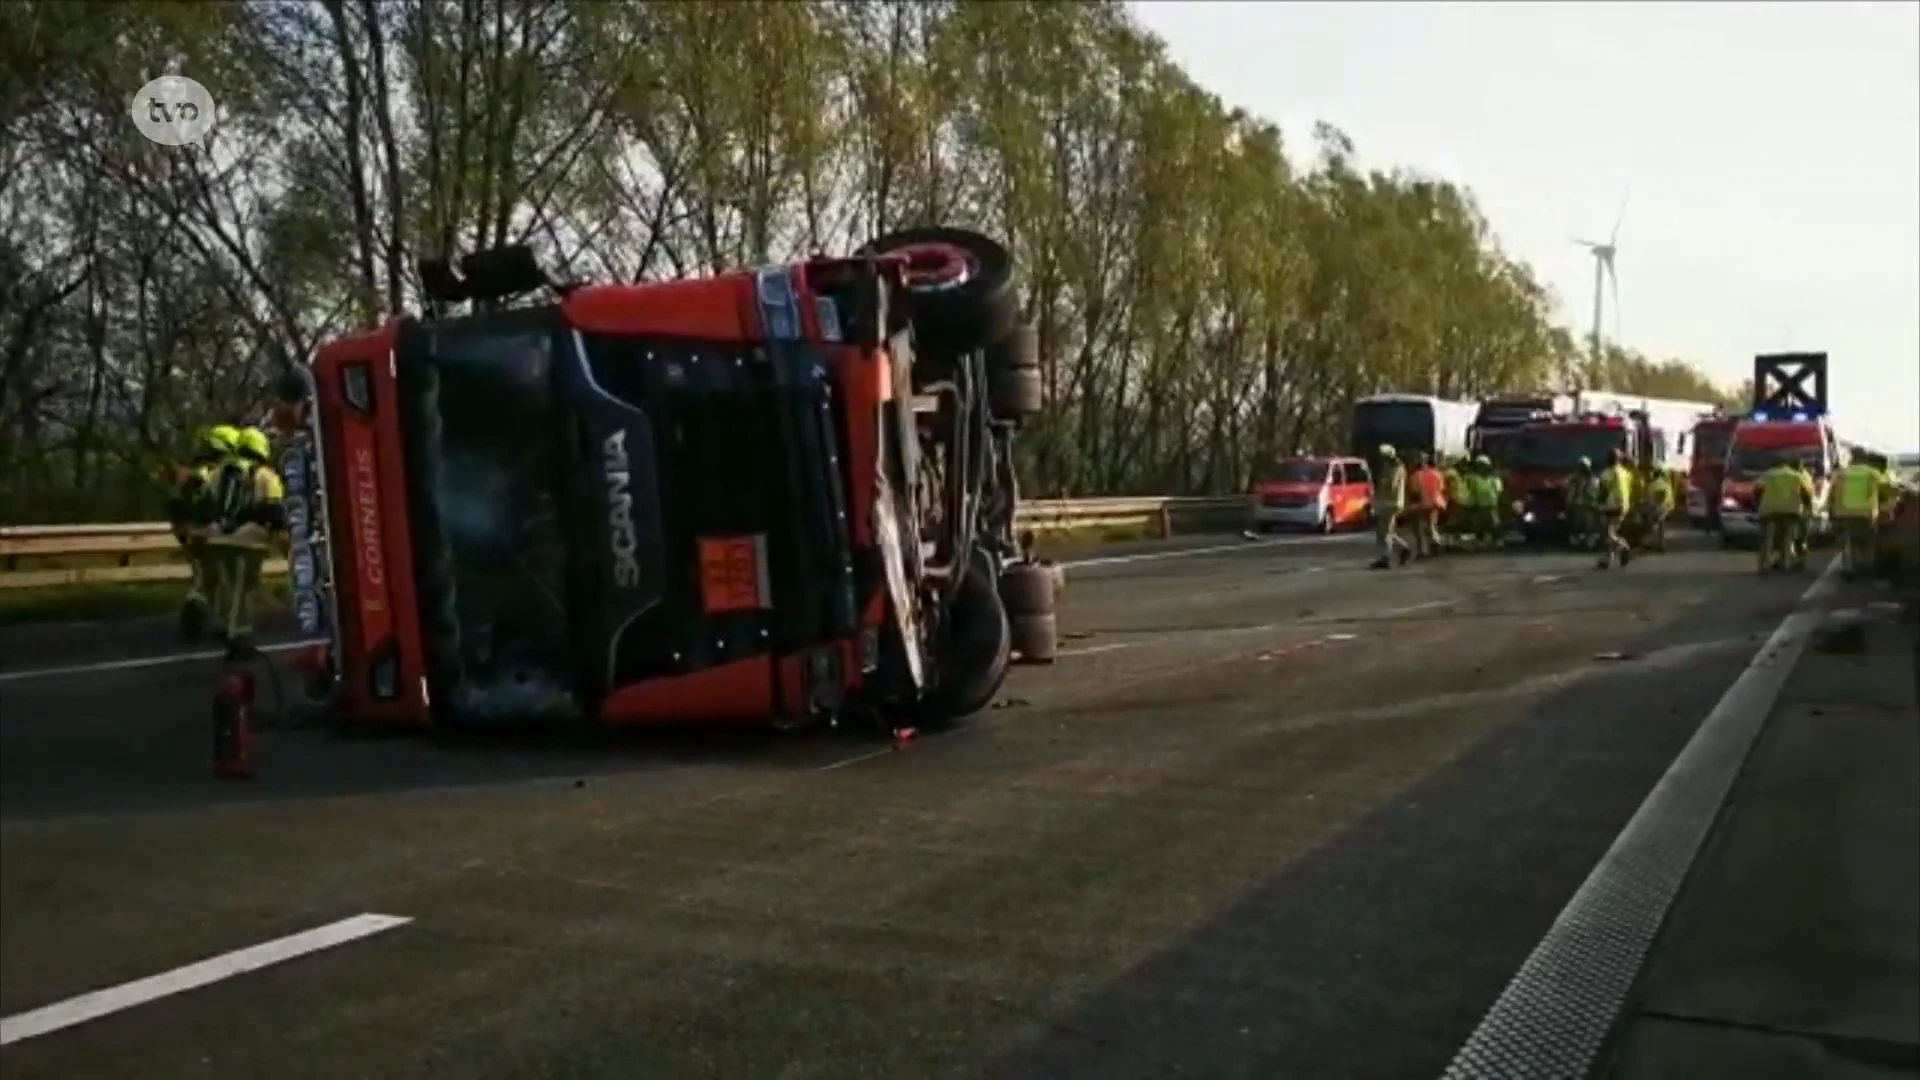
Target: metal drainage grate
1551, 1020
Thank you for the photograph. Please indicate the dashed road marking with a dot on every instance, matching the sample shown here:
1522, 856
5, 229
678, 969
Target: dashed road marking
99, 1003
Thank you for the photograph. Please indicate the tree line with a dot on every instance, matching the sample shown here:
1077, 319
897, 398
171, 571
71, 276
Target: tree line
1206, 298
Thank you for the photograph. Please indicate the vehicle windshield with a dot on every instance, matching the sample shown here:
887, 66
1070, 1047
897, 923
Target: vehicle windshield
1711, 441
1499, 445
1298, 471
1404, 425
490, 442
1559, 450
1750, 461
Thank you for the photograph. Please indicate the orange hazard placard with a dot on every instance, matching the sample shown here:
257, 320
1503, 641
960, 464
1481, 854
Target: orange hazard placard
733, 573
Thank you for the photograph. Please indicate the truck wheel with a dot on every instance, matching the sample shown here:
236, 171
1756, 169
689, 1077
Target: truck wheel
1036, 637
1014, 389
973, 652
961, 284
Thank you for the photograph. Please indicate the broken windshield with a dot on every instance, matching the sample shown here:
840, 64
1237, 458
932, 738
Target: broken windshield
492, 442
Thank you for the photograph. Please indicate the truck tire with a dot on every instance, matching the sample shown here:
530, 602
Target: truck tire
973, 653
1014, 389
961, 285
1036, 638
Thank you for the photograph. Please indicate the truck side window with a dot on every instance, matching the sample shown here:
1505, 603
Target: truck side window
1358, 474
1338, 475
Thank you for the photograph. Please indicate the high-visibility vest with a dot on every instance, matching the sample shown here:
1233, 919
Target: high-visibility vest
240, 488
1783, 490
1457, 490
1856, 492
1660, 493
1431, 487
1616, 484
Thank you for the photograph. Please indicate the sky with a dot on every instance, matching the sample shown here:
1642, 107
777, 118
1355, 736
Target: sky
1768, 155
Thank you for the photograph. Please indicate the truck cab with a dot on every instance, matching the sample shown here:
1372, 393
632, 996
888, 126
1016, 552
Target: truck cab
1547, 455
1497, 424
767, 496
1711, 439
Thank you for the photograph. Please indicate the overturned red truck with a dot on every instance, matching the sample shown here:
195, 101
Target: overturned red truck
782, 495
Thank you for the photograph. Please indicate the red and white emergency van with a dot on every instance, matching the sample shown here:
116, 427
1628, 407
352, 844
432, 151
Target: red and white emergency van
1320, 493
1760, 442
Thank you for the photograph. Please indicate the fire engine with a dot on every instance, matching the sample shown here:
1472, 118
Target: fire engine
780, 495
1547, 454
1712, 437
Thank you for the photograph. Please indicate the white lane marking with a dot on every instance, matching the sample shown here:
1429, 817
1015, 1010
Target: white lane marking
141, 662
855, 760
1091, 649
1568, 994
1244, 545
1410, 609
92, 1006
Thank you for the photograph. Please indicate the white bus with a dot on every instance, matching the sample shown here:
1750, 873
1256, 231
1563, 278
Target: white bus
1675, 418
1409, 423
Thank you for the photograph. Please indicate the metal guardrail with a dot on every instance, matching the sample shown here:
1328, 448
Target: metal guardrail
123, 542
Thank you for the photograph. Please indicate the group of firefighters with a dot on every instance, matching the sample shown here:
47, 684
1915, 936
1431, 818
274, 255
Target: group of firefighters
1615, 509
1863, 493
1441, 499
226, 505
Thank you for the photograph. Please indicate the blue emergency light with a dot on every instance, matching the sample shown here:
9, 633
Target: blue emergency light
1800, 417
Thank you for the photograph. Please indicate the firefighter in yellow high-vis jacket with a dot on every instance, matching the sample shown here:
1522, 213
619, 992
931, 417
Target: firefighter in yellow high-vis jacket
249, 507
189, 514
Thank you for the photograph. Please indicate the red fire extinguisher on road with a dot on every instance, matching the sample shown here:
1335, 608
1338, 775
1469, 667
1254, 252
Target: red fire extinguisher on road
233, 726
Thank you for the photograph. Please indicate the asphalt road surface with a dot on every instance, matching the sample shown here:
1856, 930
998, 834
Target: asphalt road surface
1270, 814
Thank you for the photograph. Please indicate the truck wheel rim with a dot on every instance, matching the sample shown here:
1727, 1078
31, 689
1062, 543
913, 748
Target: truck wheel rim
936, 267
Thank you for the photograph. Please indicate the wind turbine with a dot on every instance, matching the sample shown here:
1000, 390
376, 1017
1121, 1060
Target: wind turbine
1603, 268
